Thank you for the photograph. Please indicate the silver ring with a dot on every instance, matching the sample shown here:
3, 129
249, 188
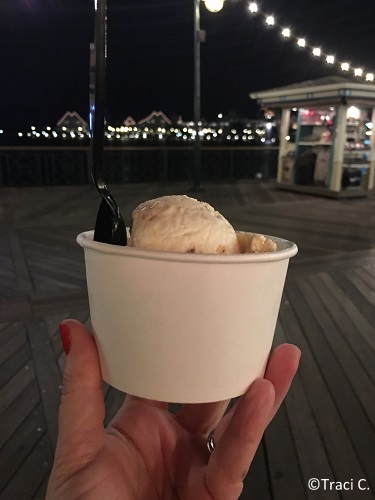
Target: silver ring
210, 441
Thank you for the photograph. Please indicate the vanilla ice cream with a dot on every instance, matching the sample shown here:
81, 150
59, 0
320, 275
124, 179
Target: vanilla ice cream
182, 224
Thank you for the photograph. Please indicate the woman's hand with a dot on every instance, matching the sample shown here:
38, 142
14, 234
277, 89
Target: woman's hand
148, 453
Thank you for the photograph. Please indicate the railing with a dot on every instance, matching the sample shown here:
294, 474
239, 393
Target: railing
41, 166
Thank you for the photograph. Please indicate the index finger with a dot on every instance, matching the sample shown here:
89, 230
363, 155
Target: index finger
231, 459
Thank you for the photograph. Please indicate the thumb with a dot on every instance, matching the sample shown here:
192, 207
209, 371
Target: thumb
82, 410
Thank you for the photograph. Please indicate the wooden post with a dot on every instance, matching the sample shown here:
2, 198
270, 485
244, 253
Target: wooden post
284, 129
371, 173
338, 148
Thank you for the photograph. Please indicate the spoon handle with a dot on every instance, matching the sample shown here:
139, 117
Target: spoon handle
97, 143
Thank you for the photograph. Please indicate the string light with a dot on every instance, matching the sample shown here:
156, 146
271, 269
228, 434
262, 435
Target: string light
253, 7
315, 51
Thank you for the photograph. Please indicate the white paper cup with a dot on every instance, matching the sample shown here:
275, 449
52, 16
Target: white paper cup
182, 327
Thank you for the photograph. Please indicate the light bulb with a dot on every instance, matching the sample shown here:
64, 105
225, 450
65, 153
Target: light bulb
358, 72
270, 20
330, 59
345, 66
286, 32
370, 77
316, 52
214, 5
301, 42
353, 112
253, 7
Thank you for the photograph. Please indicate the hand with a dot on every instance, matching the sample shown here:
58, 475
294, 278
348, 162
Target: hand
146, 452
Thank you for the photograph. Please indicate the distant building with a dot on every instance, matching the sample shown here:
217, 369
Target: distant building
156, 119
72, 120
130, 122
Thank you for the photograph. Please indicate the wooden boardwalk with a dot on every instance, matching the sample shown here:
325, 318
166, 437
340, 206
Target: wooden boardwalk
324, 430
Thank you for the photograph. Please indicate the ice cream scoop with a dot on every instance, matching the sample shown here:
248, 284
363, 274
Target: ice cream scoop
179, 223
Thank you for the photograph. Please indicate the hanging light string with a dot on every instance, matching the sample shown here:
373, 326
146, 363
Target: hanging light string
316, 51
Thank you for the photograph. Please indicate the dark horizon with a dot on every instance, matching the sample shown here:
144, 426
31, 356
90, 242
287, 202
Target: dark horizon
150, 55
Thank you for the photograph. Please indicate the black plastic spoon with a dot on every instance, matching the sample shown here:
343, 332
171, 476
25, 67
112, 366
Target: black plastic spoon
110, 226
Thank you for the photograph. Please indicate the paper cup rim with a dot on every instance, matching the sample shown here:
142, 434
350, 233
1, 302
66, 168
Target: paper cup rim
288, 249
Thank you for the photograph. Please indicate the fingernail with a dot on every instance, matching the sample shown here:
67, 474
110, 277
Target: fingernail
65, 337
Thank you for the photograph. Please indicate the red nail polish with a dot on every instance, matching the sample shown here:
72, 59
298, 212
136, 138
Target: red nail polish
65, 337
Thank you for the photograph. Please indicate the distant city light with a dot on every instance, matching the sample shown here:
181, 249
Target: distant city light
220, 115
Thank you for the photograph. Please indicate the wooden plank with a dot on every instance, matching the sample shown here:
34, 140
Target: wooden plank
31, 474
360, 281
367, 277
285, 471
19, 446
15, 386
366, 309
14, 363
51, 282
23, 275
48, 374
41, 492
355, 424
19, 308
308, 441
348, 304
9, 330
60, 303
10, 347
18, 411
257, 483
362, 386
338, 445
71, 261
350, 322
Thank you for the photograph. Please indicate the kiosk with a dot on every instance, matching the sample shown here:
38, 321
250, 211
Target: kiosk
327, 136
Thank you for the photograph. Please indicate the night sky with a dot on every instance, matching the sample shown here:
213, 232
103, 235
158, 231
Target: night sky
44, 54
